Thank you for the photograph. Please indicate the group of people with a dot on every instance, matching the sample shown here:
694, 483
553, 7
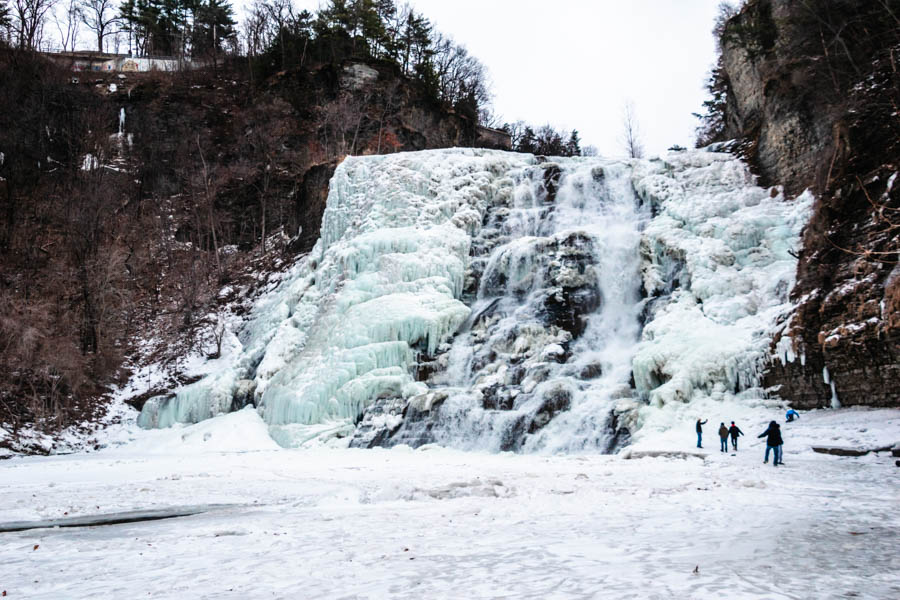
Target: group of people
724, 433
774, 441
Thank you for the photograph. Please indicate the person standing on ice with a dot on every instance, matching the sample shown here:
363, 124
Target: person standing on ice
700, 433
791, 415
773, 442
723, 437
735, 431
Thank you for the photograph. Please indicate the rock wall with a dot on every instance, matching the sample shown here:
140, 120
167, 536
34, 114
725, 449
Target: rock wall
772, 106
822, 115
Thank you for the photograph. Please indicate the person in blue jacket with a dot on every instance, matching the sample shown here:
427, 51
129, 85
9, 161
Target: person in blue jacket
700, 433
791, 415
773, 442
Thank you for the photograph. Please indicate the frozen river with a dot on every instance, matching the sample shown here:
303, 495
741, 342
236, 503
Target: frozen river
436, 523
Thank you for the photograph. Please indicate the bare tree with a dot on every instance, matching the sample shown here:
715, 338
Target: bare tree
631, 132
99, 16
280, 14
6, 23
388, 100
29, 17
342, 118
257, 28
217, 332
67, 24
209, 194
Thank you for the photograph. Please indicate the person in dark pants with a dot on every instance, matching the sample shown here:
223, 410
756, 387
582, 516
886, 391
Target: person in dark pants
773, 442
700, 433
735, 431
723, 437
791, 415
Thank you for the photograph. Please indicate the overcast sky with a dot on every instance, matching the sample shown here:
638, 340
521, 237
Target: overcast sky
574, 63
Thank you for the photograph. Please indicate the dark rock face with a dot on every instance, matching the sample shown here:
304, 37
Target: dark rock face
389, 422
776, 110
554, 401
380, 421
310, 204
807, 121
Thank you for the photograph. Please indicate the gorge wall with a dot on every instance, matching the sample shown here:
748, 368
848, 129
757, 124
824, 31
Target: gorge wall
812, 91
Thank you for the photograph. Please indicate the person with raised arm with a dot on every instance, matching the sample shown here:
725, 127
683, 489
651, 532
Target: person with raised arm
700, 433
773, 442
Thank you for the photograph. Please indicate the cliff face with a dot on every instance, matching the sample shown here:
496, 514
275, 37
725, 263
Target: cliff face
301, 123
813, 90
771, 103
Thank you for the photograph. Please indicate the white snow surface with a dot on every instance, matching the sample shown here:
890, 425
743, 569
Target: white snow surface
440, 523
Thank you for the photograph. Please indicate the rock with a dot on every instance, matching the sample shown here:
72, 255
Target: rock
554, 353
630, 454
592, 370
844, 451
358, 75
538, 372
378, 423
553, 401
495, 397
243, 394
552, 173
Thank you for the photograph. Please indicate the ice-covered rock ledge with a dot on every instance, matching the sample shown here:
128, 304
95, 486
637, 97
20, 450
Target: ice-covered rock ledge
719, 263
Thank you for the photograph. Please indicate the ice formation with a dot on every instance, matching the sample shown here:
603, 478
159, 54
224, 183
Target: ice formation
499, 301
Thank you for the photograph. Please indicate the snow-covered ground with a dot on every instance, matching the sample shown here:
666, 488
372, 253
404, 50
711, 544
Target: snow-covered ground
438, 523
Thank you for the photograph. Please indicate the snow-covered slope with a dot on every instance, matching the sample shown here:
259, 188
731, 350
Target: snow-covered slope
492, 300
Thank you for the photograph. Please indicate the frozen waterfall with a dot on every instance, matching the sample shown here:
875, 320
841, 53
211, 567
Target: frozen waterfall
499, 301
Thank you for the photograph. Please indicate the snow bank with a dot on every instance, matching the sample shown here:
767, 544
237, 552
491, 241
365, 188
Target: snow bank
241, 431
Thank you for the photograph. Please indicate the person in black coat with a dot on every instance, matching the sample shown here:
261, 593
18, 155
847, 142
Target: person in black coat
700, 433
773, 442
735, 431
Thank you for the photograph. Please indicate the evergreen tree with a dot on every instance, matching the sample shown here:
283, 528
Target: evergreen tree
5, 17
573, 146
528, 141
155, 26
213, 23
712, 120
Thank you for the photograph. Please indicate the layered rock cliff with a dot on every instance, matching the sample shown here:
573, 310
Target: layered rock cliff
813, 91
